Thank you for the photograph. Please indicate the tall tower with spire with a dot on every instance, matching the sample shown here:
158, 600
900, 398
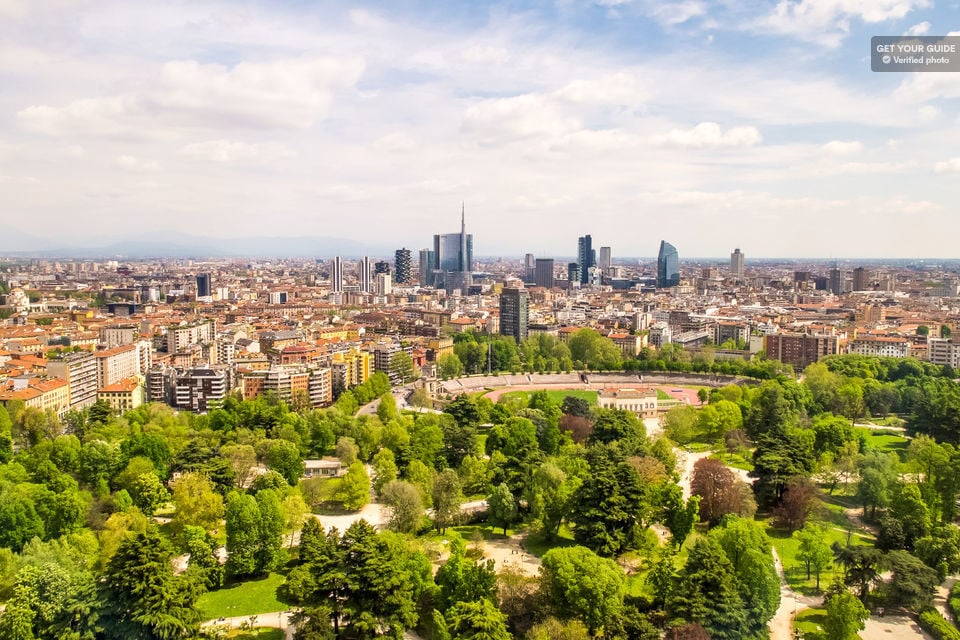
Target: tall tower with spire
464, 264
453, 256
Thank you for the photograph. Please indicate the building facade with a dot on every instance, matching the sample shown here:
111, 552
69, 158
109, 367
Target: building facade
668, 266
515, 313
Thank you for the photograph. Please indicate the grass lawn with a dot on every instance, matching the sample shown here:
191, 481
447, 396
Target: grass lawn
538, 544
810, 622
886, 442
795, 571
735, 460
663, 395
243, 599
555, 395
258, 633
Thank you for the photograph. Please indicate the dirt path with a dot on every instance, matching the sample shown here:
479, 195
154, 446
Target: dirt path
509, 552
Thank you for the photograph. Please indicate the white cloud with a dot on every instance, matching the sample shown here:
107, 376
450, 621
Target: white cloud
672, 13
23, 180
72, 151
613, 89
949, 166
518, 117
485, 54
842, 148
235, 152
709, 135
397, 141
865, 168
292, 93
919, 29
828, 21
132, 163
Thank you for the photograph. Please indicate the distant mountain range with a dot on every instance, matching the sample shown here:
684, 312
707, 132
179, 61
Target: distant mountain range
165, 244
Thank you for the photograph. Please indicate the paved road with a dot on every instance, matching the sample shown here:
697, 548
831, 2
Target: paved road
276, 620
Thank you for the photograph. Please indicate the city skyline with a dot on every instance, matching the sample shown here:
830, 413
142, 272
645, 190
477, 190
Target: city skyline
222, 120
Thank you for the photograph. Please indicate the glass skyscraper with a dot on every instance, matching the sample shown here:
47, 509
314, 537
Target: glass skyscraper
668, 266
586, 257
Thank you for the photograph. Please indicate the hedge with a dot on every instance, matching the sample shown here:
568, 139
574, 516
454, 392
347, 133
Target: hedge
937, 626
953, 603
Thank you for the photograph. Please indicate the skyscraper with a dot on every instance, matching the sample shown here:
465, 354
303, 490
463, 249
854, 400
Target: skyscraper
573, 272
364, 275
203, 285
605, 260
736, 265
668, 266
586, 257
453, 256
529, 264
381, 266
336, 275
427, 261
836, 281
860, 279
402, 267
515, 313
543, 272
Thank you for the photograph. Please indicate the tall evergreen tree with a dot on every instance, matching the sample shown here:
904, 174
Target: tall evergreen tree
706, 593
142, 598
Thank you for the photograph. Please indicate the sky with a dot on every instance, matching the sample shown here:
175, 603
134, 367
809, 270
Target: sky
711, 124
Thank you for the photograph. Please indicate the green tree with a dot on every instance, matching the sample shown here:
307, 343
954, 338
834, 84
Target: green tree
405, 506
196, 503
746, 545
680, 424
401, 365
149, 493
143, 599
814, 551
913, 583
243, 536
551, 491
384, 470
679, 516
477, 620
462, 579
706, 593
241, 458
269, 531
608, 507
501, 507
846, 616
6, 436
387, 409
284, 458
347, 450
447, 495
380, 589
19, 521
580, 584
354, 490
449, 366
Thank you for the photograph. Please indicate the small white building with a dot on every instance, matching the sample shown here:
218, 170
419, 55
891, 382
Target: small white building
642, 402
323, 468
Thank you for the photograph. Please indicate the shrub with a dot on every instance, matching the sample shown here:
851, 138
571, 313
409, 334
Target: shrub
937, 626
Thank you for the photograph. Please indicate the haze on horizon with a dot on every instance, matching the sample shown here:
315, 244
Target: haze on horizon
712, 124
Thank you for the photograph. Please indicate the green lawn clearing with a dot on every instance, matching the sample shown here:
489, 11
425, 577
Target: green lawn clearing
886, 441
555, 395
795, 570
243, 599
257, 633
810, 622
